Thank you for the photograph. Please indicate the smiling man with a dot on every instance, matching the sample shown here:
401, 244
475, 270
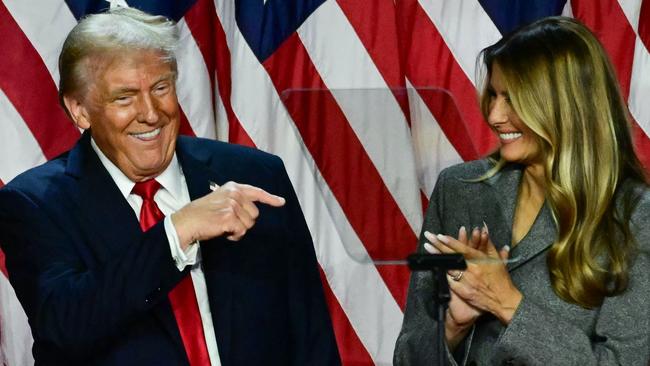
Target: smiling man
140, 247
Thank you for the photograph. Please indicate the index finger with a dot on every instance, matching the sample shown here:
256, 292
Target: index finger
457, 246
259, 195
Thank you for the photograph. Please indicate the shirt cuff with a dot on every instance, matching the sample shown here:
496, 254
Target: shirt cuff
181, 258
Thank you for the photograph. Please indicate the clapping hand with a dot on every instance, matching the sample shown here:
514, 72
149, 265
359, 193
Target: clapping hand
460, 315
486, 283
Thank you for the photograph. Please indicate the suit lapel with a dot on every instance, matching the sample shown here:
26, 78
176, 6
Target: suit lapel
214, 255
102, 208
505, 185
109, 217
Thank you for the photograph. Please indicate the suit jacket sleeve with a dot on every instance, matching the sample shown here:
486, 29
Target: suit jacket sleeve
71, 306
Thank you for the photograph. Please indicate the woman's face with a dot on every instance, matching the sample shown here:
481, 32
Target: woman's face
518, 142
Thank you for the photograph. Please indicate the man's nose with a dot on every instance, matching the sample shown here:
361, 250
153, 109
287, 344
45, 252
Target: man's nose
148, 111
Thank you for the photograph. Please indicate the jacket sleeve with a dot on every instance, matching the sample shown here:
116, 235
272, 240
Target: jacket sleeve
75, 308
416, 343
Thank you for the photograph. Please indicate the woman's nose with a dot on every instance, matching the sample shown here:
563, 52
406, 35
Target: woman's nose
499, 110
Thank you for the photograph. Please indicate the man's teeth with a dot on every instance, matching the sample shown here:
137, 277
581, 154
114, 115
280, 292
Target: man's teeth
510, 136
147, 135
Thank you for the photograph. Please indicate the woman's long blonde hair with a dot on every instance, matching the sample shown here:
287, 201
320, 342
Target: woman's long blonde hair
562, 86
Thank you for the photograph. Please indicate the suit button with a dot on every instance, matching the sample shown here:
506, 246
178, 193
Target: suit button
509, 362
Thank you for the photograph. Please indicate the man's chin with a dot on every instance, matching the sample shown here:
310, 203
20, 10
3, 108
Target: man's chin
140, 172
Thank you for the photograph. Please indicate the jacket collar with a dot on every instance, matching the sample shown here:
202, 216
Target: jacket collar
542, 233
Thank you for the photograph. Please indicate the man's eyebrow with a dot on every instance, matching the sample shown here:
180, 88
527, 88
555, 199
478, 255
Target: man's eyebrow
124, 90
129, 90
166, 77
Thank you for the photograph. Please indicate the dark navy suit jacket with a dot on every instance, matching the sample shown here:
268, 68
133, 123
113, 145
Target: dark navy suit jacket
94, 287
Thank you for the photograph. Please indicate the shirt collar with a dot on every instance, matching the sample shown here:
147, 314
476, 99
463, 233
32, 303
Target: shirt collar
170, 179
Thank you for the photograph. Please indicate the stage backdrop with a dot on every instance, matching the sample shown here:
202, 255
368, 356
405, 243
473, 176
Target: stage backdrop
362, 171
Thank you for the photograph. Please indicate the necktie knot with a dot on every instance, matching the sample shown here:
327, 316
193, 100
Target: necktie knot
146, 189
150, 214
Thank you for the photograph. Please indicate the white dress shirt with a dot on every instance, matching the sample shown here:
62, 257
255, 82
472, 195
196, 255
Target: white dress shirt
171, 197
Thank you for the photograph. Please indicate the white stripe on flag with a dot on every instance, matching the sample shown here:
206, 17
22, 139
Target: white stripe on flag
193, 86
466, 29
433, 151
19, 149
370, 108
16, 341
632, 10
360, 290
640, 86
221, 114
46, 24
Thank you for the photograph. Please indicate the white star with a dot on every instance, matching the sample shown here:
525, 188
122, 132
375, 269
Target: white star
116, 3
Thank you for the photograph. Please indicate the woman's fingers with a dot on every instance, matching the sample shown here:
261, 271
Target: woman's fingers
431, 249
462, 235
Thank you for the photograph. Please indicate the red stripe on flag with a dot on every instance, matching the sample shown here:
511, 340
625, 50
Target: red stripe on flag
236, 133
30, 88
351, 349
644, 24
342, 160
432, 65
185, 127
200, 20
608, 21
379, 37
3, 267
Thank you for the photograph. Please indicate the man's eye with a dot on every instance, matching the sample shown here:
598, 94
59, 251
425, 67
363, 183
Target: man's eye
162, 89
123, 100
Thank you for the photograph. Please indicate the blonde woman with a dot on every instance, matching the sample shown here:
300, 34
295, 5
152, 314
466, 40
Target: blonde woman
564, 197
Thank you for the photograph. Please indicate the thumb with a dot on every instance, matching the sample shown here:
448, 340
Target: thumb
490, 249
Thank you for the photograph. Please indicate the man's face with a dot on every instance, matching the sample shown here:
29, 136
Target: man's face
132, 110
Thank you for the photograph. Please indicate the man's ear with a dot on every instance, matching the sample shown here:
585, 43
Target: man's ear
77, 111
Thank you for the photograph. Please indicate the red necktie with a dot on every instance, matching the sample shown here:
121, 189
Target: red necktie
182, 297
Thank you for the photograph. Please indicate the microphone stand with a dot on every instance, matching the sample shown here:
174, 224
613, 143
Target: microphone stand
438, 264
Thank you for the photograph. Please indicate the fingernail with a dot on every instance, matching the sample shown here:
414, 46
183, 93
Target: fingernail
506, 248
462, 230
442, 238
429, 236
485, 227
431, 249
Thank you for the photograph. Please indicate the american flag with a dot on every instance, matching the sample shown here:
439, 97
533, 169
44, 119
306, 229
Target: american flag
364, 100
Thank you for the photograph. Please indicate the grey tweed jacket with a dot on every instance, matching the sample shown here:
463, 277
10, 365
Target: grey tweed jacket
545, 330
